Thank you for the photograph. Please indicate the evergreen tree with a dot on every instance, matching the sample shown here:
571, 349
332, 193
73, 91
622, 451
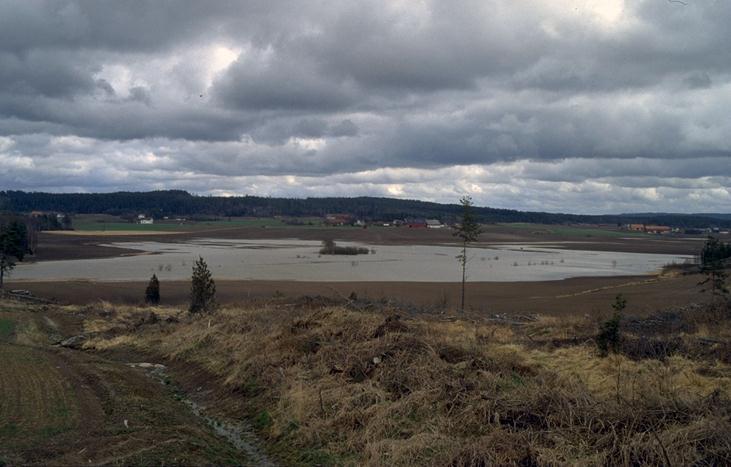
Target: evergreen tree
152, 292
468, 231
13, 246
203, 289
714, 256
610, 337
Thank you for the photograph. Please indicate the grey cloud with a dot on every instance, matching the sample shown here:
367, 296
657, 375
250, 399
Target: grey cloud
140, 94
105, 86
698, 80
44, 73
282, 83
225, 92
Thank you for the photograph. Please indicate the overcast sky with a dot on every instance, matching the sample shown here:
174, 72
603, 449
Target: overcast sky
587, 106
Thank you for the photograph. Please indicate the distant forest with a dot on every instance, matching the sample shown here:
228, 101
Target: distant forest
182, 203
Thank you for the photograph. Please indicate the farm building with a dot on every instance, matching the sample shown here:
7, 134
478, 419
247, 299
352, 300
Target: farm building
338, 219
416, 223
434, 224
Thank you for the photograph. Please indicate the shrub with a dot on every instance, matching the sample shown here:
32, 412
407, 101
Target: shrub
152, 292
609, 337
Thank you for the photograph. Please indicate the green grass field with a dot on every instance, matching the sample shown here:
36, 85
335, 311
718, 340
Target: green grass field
108, 223
570, 231
6, 328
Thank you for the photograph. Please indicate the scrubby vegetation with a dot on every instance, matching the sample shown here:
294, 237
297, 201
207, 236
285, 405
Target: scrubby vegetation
329, 247
332, 384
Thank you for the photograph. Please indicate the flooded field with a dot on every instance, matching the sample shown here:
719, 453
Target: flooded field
300, 260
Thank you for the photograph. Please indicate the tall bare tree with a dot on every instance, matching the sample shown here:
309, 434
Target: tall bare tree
468, 231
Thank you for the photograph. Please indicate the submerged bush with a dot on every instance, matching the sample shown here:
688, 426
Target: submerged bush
330, 248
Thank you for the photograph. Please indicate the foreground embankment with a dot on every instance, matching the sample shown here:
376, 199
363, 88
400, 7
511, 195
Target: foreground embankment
317, 381
352, 383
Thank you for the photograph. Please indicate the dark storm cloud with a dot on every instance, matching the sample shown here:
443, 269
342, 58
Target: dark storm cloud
630, 95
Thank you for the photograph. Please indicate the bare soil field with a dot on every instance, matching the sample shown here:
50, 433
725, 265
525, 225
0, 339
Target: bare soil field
570, 296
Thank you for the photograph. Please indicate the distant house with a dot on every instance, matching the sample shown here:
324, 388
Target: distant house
658, 229
651, 229
434, 224
338, 219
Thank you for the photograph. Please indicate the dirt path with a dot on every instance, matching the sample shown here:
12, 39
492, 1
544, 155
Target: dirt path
61, 406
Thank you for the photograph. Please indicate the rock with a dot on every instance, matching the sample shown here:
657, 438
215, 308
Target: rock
74, 342
147, 366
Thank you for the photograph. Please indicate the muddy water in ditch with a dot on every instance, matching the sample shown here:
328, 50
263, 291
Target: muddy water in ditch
239, 434
300, 260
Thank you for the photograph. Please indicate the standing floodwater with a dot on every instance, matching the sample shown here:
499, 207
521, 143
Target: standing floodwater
300, 260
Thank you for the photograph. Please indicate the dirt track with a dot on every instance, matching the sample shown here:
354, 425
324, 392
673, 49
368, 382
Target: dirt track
66, 407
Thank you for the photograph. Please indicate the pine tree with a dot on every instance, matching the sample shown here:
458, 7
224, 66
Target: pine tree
203, 289
152, 292
468, 231
714, 257
610, 337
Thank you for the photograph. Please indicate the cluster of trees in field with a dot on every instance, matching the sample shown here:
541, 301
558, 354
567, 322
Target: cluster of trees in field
44, 222
177, 202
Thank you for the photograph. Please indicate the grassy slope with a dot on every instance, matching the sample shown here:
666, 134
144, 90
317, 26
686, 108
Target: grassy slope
330, 385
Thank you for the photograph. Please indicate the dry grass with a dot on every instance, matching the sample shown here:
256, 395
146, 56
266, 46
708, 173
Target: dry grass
335, 386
